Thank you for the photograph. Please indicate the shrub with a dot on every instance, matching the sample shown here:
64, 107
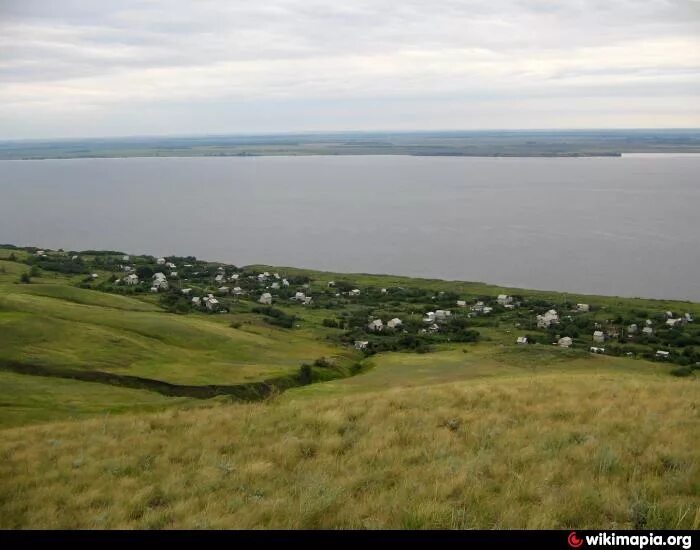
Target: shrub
305, 374
25, 278
682, 371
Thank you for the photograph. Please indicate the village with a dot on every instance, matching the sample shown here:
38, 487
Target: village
375, 319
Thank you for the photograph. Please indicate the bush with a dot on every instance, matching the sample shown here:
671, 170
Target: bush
25, 278
305, 374
682, 371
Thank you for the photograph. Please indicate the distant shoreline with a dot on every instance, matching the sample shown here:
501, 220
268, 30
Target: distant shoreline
493, 144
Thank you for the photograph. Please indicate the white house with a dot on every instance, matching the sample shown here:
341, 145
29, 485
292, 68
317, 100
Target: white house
219, 278
331, 284
521, 340
275, 286
266, 298
170, 265
648, 331
40, 253
633, 328
160, 261
159, 276
486, 310
674, 322
154, 289
479, 306
429, 317
299, 297
186, 291
237, 290
504, 299
125, 258
131, 279
394, 323
583, 308
307, 300
94, 275
354, 292
597, 350
211, 303
442, 314
599, 336
662, 354
285, 282
376, 326
160, 284
224, 289
173, 274
196, 301
551, 317
361, 344
688, 318
234, 277
565, 342
461, 303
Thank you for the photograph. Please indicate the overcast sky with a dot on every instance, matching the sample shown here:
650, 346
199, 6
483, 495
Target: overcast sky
74, 68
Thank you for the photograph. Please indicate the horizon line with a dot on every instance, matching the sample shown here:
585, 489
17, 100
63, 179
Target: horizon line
346, 132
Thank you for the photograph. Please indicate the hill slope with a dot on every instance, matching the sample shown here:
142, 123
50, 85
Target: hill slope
552, 451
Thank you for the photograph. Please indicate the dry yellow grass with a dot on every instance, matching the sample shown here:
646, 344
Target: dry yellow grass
552, 451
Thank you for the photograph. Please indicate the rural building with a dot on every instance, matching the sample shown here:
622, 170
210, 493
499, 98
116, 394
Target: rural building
275, 286
376, 326
521, 340
648, 331
211, 303
429, 317
461, 303
224, 289
442, 314
237, 290
160, 261
354, 292
633, 328
125, 258
266, 298
662, 354
186, 291
504, 299
549, 318
565, 342
361, 344
299, 296
599, 336
196, 301
394, 323
584, 308
597, 350
131, 279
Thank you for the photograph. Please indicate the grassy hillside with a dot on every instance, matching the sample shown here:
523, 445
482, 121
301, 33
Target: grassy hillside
556, 450
452, 426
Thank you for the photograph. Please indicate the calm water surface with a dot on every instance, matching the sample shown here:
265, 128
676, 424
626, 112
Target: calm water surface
627, 226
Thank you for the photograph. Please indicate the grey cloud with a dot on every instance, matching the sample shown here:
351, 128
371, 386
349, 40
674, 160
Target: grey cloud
104, 57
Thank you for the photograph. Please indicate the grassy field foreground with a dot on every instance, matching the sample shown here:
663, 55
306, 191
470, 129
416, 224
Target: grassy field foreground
557, 450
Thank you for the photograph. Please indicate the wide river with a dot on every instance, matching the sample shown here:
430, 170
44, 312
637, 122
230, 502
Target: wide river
626, 226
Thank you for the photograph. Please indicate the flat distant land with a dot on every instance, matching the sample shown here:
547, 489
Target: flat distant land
525, 143
145, 392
